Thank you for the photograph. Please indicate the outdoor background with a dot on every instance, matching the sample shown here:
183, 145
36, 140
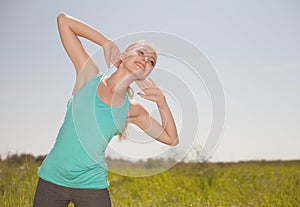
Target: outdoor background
254, 46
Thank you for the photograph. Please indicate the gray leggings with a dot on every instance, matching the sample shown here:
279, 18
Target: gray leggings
50, 195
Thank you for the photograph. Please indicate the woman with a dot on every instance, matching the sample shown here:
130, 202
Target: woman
75, 169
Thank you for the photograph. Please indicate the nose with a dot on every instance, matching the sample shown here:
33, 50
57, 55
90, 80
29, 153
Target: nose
146, 58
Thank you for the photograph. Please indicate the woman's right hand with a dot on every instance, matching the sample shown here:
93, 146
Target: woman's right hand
111, 54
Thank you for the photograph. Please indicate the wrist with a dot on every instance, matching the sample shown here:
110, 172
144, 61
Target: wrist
106, 41
161, 102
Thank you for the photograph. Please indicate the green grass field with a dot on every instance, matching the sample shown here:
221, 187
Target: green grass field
207, 184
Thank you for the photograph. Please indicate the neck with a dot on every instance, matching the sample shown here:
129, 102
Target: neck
118, 82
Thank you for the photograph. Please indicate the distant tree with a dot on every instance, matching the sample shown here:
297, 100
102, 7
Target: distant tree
18, 159
39, 159
196, 154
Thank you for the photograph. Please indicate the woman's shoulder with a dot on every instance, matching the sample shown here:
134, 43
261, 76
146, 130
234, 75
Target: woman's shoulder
136, 109
83, 79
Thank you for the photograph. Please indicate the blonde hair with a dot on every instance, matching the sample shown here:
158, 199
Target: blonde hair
129, 90
139, 43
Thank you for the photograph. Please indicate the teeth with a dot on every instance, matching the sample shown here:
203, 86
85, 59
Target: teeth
140, 66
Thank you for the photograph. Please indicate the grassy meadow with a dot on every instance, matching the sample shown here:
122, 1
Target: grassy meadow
263, 183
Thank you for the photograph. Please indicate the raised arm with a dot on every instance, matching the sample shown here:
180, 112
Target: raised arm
69, 29
165, 132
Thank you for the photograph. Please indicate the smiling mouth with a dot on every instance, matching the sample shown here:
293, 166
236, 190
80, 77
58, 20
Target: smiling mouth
140, 66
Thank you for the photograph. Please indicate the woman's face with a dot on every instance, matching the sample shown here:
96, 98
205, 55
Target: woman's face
140, 61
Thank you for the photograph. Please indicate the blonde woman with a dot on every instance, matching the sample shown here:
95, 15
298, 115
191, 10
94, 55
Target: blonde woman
100, 107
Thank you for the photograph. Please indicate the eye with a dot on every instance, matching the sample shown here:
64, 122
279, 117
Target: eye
152, 63
140, 53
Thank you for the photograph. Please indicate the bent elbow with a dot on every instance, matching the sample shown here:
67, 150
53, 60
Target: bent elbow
61, 16
174, 142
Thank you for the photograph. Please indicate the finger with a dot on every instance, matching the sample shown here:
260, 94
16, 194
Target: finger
140, 84
116, 55
141, 94
147, 83
107, 61
153, 83
116, 62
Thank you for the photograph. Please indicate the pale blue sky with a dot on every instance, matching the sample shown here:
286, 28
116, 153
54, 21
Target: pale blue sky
254, 46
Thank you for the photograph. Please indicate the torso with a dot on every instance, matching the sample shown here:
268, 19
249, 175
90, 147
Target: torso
78, 157
108, 97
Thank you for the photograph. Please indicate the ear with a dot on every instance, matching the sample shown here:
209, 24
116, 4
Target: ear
119, 60
122, 56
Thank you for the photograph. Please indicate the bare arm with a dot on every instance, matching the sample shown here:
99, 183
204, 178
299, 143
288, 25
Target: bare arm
69, 29
165, 132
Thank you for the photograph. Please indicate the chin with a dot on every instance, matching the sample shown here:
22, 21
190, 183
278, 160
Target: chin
137, 71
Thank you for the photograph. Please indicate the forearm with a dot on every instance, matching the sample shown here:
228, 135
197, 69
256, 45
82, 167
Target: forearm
167, 119
82, 29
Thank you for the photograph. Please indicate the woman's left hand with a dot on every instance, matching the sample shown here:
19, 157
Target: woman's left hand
151, 91
111, 54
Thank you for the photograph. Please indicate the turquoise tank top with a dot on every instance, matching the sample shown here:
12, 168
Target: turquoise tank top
77, 159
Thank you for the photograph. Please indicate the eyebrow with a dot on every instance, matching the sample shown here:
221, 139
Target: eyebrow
150, 56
